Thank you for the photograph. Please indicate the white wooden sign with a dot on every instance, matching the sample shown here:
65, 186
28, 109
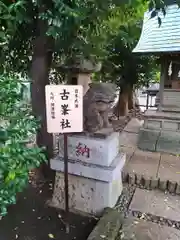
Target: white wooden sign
64, 108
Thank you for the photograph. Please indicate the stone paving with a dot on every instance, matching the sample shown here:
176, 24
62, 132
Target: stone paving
156, 203
149, 214
157, 166
163, 224
136, 229
159, 141
162, 210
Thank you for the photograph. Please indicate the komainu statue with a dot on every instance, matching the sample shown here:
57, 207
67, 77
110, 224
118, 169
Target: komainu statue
97, 104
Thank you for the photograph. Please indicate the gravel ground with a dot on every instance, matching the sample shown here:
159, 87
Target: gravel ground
125, 199
156, 219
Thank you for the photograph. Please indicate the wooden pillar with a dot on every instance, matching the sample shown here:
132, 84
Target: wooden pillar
164, 75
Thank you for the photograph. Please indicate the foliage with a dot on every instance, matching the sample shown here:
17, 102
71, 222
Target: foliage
76, 27
16, 129
123, 66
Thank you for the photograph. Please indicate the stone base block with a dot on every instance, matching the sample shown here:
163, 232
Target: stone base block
91, 190
169, 142
167, 121
87, 195
99, 148
159, 141
147, 139
171, 97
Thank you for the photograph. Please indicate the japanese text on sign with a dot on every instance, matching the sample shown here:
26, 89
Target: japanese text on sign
64, 108
82, 150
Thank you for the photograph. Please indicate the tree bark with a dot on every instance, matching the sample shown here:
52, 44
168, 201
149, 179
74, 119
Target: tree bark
41, 62
130, 98
121, 108
123, 101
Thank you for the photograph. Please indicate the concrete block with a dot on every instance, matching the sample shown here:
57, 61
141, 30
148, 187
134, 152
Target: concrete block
93, 171
138, 229
147, 183
128, 139
147, 139
92, 149
169, 168
178, 189
171, 97
156, 203
163, 185
132, 179
170, 125
169, 142
154, 183
87, 195
138, 179
124, 176
108, 226
153, 124
134, 125
172, 187
144, 164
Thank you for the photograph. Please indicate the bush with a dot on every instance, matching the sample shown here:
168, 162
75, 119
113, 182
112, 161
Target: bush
17, 127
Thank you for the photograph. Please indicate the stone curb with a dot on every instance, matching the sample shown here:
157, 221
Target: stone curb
151, 183
108, 226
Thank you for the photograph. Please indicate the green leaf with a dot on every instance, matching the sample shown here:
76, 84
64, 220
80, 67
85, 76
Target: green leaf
17, 125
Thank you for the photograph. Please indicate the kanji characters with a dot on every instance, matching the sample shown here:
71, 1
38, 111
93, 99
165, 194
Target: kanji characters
64, 95
65, 109
82, 150
65, 123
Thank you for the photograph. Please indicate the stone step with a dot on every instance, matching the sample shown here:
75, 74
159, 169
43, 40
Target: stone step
151, 215
171, 97
151, 169
162, 120
163, 207
162, 115
154, 140
142, 230
171, 108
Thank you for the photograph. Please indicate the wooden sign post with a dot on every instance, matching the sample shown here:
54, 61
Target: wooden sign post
64, 114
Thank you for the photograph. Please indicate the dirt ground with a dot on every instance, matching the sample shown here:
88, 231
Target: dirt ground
32, 219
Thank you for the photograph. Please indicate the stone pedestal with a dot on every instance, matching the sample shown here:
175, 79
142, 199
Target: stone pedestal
95, 166
171, 100
100, 148
161, 130
162, 120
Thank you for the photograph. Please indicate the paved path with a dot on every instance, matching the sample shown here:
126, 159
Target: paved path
153, 215
136, 229
159, 167
150, 215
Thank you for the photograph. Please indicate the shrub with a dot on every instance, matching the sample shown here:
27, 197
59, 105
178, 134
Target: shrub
17, 127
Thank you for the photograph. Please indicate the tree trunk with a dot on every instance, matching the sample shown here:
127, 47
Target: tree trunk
41, 62
121, 108
123, 102
130, 98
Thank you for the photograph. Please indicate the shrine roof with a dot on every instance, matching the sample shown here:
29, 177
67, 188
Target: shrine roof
160, 39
